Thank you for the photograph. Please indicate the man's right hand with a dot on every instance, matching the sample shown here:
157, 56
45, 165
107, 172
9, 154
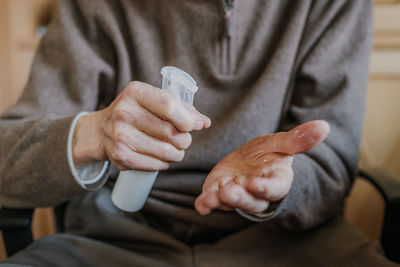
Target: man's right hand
144, 128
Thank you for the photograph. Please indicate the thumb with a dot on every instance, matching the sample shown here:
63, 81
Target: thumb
301, 138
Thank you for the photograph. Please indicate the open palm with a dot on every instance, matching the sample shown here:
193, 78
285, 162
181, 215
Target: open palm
259, 172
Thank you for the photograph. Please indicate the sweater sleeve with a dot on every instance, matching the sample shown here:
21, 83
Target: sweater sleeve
72, 69
329, 83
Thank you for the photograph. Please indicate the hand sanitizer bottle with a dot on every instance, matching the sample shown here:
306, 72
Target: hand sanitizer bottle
133, 187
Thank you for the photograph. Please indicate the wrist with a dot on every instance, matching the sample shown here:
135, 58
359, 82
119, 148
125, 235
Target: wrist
87, 144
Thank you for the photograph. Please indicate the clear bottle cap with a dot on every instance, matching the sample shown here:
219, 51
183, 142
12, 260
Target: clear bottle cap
179, 84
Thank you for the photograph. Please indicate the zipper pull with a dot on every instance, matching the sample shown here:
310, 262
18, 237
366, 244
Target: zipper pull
228, 18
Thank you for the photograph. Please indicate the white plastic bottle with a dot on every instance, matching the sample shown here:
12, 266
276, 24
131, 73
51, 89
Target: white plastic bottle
133, 187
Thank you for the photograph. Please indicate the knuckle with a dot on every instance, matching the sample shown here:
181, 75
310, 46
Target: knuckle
120, 115
118, 155
120, 136
168, 105
133, 89
180, 140
167, 131
133, 86
167, 151
225, 194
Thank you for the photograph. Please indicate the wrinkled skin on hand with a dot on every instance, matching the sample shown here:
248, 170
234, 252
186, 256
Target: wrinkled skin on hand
259, 172
144, 128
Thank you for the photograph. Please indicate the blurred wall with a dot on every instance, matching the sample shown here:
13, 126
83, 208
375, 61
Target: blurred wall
19, 20
381, 139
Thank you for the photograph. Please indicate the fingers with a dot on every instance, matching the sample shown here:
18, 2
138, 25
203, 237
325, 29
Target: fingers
125, 135
166, 107
236, 196
207, 201
251, 193
153, 126
162, 130
273, 183
126, 159
231, 195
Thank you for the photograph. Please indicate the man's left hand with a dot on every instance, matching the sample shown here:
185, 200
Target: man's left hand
258, 172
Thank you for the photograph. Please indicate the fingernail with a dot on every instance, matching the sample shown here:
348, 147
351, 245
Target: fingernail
208, 123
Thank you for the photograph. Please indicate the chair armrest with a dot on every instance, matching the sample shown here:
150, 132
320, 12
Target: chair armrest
15, 218
15, 225
389, 186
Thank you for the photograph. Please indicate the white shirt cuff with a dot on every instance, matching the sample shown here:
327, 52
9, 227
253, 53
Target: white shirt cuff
90, 177
260, 217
